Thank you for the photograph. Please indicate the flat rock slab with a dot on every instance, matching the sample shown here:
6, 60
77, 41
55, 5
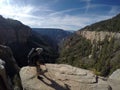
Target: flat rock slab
61, 77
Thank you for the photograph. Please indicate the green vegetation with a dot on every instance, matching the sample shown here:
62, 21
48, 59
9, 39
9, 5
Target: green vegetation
100, 56
74, 50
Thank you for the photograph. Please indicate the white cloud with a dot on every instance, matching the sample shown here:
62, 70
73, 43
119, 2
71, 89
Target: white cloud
88, 4
63, 11
43, 16
67, 22
8, 10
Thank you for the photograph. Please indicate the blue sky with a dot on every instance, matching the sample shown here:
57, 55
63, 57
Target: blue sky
64, 14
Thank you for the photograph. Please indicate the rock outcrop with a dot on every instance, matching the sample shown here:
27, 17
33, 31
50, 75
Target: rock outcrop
114, 79
9, 70
4, 85
115, 75
6, 55
64, 77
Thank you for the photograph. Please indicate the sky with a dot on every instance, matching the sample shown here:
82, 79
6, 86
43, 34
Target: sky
64, 14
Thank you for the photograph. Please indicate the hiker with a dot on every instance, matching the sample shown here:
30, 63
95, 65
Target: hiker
34, 56
35, 59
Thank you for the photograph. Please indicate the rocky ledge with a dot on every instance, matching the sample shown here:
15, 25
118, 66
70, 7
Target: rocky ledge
64, 77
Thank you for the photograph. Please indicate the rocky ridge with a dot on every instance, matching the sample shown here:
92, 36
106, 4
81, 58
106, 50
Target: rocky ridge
64, 77
13, 31
98, 35
99, 30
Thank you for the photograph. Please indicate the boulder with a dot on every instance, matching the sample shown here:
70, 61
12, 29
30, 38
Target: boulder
61, 77
30, 81
115, 75
114, 80
6, 55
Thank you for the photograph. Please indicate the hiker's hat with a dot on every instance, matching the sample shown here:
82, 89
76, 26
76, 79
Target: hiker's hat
39, 50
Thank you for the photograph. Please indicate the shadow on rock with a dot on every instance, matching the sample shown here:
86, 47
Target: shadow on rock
53, 84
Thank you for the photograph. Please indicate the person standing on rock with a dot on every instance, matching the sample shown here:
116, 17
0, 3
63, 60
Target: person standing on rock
35, 59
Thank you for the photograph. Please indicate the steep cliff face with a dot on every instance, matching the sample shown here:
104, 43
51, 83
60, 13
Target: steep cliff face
98, 31
98, 35
14, 34
5, 28
20, 39
22, 32
13, 31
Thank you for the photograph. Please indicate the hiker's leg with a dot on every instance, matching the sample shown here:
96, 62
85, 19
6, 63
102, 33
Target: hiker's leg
37, 68
44, 68
37, 62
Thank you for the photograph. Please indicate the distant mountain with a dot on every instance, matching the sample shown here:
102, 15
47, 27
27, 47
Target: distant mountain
94, 47
71, 31
51, 35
